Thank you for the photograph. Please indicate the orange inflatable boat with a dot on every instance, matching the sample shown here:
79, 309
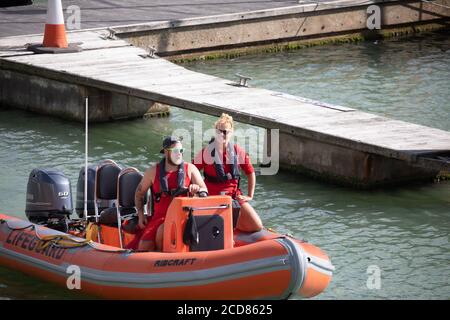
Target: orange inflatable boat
262, 265
203, 256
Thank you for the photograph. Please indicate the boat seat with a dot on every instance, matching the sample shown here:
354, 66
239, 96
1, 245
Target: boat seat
108, 216
127, 182
80, 197
106, 177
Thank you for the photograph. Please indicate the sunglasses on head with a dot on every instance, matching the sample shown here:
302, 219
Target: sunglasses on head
176, 150
224, 132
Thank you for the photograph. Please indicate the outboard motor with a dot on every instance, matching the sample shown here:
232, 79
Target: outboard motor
79, 204
49, 198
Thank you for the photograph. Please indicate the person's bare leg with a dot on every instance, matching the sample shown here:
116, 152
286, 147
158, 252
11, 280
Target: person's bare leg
159, 238
146, 245
249, 220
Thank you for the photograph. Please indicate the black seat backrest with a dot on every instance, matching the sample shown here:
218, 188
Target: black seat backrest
129, 180
106, 180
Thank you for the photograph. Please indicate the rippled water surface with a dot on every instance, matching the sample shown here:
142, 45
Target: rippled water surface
403, 231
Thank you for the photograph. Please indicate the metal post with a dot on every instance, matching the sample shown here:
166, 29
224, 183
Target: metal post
86, 160
119, 225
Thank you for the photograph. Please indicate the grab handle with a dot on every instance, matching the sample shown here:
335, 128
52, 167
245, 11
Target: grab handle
222, 206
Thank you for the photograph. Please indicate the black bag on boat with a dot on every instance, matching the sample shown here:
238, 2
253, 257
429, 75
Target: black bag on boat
236, 211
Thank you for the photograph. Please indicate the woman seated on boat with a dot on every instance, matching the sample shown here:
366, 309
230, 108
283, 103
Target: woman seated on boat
167, 179
224, 179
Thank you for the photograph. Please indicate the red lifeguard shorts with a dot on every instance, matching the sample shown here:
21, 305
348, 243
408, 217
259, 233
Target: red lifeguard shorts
147, 234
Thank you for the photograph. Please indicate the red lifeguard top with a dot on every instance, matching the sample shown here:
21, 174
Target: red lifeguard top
161, 202
204, 160
160, 207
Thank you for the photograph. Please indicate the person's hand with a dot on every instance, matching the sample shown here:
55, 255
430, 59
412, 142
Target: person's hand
142, 222
194, 188
202, 194
244, 198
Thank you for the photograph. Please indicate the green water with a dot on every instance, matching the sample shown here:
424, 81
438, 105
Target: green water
403, 231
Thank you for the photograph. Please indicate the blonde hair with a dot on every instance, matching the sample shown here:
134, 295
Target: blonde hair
225, 119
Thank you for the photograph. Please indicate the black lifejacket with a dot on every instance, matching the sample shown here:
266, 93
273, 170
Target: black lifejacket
220, 168
164, 184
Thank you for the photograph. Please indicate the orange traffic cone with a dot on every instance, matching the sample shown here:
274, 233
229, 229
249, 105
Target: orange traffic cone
55, 32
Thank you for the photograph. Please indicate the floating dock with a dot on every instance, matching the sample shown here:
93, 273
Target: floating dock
332, 142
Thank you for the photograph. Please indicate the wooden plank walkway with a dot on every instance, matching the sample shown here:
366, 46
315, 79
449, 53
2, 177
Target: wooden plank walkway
101, 14
118, 67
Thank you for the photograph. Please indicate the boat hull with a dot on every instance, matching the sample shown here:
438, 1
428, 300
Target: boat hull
272, 268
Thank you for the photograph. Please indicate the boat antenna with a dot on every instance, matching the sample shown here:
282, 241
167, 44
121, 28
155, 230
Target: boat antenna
85, 211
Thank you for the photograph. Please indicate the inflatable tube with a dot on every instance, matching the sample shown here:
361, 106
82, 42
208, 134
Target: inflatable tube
262, 265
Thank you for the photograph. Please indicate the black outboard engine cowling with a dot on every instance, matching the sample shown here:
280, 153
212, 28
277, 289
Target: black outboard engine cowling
49, 196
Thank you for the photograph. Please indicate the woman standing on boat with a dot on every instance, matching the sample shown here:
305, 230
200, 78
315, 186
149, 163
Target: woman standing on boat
223, 178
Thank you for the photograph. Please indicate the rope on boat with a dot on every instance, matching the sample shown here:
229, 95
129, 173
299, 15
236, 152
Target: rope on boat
60, 241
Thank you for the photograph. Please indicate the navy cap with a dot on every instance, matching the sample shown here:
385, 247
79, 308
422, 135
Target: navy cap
168, 141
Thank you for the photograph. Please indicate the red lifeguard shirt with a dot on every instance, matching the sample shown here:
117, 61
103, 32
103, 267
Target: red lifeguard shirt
204, 161
160, 208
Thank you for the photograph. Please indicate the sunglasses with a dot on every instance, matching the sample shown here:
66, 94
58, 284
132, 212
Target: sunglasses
176, 150
224, 132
